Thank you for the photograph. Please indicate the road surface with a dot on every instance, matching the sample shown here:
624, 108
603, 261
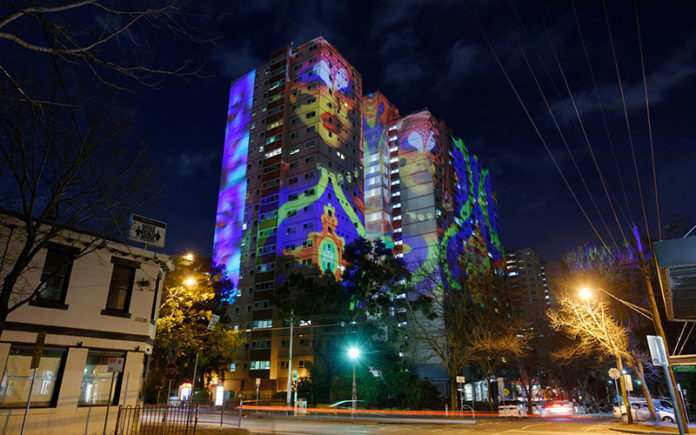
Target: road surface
529, 426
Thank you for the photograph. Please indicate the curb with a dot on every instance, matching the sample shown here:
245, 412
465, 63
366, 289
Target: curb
635, 431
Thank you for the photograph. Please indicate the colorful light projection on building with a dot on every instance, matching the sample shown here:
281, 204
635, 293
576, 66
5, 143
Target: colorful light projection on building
328, 74
321, 209
230, 212
461, 228
472, 237
418, 135
378, 113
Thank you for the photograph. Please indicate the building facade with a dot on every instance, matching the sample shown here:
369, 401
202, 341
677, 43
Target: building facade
291, 191
95, 303
534, 284
309, 165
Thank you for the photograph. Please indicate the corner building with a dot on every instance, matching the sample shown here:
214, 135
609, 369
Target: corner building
291, 193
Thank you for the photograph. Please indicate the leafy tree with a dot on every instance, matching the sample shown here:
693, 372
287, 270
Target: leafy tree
189, 301
356, 310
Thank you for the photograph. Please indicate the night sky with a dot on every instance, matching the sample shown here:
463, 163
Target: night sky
431, 54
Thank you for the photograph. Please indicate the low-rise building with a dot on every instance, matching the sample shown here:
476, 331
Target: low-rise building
95, 304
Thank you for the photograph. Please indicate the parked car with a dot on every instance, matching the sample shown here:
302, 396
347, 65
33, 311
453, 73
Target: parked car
641, 412
559, 407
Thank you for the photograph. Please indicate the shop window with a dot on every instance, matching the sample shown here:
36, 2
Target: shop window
96, 379
14, 388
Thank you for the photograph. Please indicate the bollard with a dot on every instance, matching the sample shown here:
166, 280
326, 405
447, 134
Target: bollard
240, 412
446, 410
222, 411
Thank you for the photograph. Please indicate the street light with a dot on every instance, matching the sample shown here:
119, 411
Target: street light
354, 354
586, 294
190, 281
189, 257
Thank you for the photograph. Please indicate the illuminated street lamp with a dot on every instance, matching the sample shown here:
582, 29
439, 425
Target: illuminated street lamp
586, 294
190, 281
354, 354
189, 257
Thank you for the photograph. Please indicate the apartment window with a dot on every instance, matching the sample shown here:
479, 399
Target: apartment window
14, 388
96, 380
260, 324
259, 365
283, 364
121, 287
310, 129
302, 363
261, 344
56, 273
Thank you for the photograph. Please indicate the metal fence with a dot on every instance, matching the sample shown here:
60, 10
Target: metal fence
157, 420
219, 415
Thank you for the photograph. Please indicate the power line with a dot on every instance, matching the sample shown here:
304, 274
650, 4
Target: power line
531, 120
582, 125
647, 111
628, 218
558, 128
625, 111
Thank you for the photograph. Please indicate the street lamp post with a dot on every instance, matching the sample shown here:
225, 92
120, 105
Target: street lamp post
354, 353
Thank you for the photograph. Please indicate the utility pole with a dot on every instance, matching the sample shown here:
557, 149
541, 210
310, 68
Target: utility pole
624, 393
657, 322
292, 324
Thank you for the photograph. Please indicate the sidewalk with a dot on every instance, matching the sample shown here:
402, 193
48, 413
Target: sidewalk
650, 428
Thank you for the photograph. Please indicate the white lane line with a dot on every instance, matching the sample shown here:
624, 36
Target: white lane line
531, 425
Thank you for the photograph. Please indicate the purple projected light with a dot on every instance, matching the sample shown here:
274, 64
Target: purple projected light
230, 211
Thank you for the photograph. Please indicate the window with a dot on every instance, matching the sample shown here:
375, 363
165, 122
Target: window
56, 273
260, 324
121, 287
261, 344
96, 380
233, 367
283, 364
259, 365
14, 389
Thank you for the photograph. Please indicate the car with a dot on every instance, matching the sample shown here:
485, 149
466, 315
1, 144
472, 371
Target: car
559, 407
641, 412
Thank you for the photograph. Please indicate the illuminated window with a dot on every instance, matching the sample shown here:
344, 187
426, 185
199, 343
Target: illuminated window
257, 324
259, 365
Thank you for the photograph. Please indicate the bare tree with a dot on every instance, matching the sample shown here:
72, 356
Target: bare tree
492, 340
461, 321
105, 38
594, 329
63, 168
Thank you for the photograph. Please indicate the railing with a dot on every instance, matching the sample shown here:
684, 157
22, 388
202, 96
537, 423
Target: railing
157, 420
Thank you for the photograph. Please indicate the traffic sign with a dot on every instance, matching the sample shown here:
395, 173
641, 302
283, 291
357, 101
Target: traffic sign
461, 379
170, 371
115, 365
614, 373
658, 353
506, 392
38, 350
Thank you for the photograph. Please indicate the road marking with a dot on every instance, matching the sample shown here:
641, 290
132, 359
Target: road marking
528, 426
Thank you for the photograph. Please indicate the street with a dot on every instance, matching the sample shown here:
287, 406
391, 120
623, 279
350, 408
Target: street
281, 425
